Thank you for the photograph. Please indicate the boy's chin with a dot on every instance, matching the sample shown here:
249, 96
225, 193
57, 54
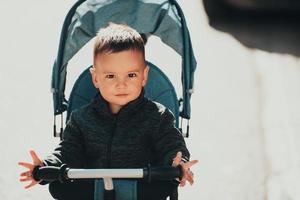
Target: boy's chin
123, 103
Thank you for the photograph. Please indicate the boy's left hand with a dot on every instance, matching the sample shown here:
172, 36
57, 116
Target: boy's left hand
187, 173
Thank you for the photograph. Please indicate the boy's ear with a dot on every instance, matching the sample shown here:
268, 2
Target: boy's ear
94, 76
146, 72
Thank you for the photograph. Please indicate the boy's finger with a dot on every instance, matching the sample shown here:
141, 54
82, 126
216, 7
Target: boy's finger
28, 173
36, 160
31, 184
190, 179
27, 165
182, 182
191, 163
177, 159
26, 179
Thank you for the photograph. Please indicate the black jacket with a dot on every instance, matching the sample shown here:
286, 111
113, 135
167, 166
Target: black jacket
142, 132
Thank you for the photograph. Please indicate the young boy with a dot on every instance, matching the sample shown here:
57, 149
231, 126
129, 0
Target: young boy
120, 128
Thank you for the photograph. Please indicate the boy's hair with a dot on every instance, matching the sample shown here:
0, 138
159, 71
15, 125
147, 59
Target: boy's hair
118, 37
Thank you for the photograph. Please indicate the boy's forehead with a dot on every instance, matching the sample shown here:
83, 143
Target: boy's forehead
120, 69
124, 60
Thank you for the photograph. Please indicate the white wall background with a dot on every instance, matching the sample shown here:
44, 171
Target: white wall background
245, 116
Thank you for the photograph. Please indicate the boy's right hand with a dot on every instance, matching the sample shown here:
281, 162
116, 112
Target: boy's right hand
187, 173
27, 175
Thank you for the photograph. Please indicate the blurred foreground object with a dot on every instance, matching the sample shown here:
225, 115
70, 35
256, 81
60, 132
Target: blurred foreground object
270, 25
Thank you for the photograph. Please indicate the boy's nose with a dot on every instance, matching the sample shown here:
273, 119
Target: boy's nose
121, 83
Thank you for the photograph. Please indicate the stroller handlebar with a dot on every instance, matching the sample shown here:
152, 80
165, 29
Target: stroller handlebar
63, 173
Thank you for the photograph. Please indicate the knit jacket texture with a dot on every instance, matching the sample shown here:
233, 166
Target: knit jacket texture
143, 132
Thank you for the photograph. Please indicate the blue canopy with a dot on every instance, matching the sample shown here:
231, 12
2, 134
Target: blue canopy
163, 18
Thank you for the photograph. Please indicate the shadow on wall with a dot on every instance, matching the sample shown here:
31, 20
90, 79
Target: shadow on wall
269, 25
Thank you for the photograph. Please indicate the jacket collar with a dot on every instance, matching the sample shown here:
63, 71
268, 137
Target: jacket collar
102, 107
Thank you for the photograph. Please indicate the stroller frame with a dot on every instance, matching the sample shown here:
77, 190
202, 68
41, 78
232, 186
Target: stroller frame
164, 18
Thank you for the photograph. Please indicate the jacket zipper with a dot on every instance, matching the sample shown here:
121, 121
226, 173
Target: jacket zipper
109, 156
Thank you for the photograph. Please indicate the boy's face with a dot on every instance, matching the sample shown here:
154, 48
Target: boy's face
119, 76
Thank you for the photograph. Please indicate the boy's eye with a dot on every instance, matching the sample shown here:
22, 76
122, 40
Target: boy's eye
110, 76
131, 75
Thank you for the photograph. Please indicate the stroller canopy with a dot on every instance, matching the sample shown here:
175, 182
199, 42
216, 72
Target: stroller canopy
162, 18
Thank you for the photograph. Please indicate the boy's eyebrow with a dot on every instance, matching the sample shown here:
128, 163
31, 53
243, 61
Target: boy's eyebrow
134, 71
109, 72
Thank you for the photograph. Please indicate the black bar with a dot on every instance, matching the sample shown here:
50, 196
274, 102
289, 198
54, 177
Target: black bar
109, 195
162, 173
51, 173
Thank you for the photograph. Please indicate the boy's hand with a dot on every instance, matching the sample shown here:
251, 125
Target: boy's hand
187, 173
27, 175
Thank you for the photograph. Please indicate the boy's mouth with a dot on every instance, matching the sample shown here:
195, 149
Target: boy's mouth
121, 95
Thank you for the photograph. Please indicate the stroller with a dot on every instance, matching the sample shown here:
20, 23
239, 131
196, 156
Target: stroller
163, 18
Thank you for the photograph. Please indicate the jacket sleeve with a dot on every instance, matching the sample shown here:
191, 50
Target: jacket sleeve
169, 140
70, 150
